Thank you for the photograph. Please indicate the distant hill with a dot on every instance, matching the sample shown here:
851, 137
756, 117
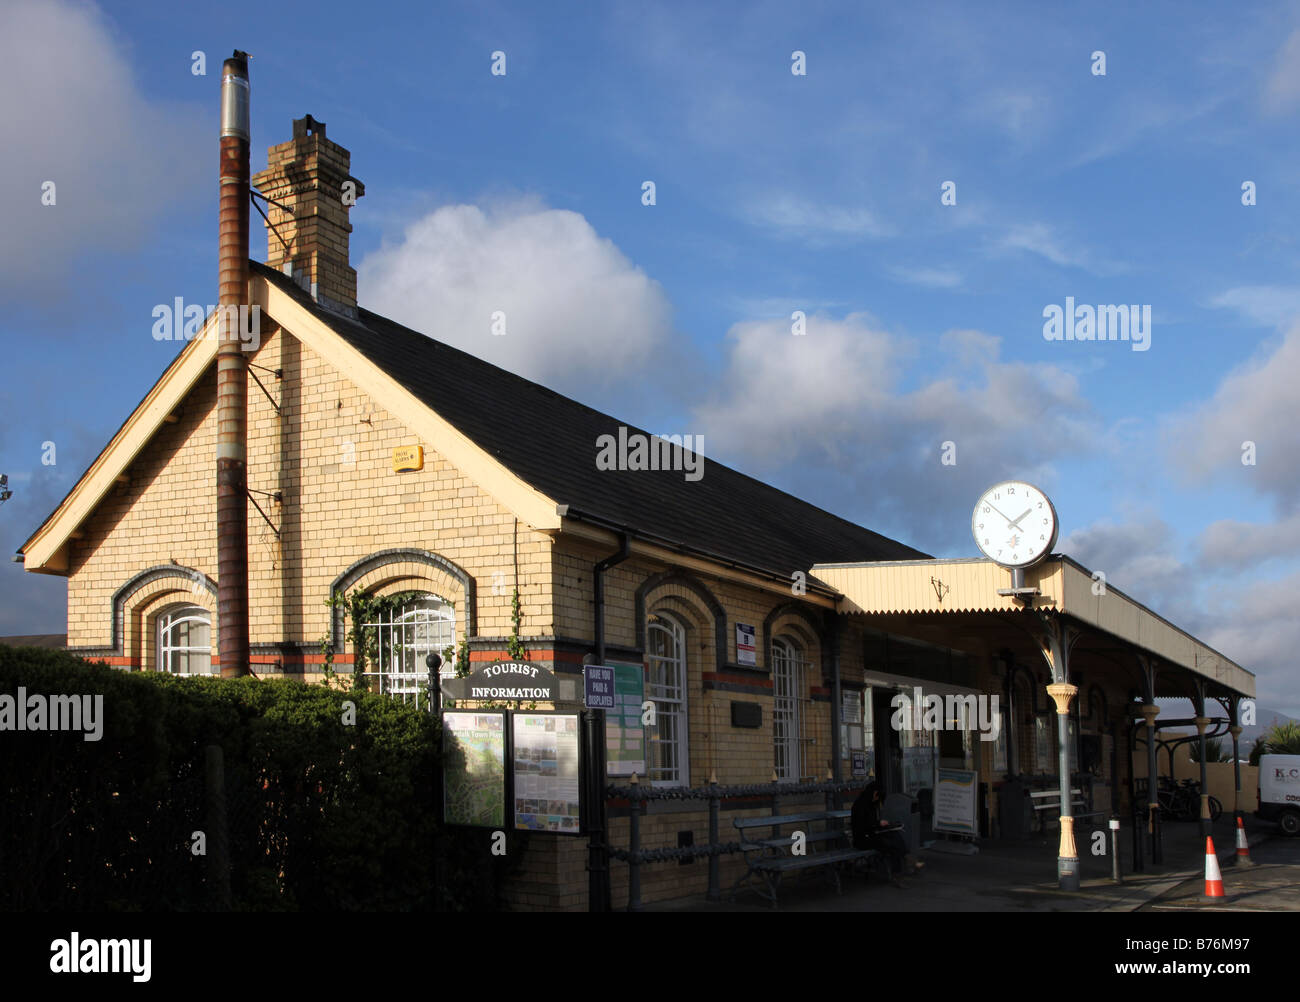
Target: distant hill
1264, 718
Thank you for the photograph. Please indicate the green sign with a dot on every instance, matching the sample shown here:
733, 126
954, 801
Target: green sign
624, 734
474, 768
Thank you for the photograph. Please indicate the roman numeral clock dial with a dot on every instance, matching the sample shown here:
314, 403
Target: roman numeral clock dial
1014, 524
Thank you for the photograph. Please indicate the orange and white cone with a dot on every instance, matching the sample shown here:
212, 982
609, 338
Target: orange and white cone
1243, 847
1213, 877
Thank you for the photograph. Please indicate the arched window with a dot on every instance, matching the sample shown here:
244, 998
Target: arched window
185, 640
405, 636
787, 709
668, 763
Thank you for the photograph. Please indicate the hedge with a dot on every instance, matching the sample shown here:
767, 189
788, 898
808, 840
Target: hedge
321, 814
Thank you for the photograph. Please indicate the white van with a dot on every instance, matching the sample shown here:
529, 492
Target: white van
1279, 791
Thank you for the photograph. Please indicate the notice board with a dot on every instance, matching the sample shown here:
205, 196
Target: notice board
624, 733
474, 768
547, 792
954, 801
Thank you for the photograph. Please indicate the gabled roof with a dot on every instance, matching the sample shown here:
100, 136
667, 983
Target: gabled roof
550, 442
528, 446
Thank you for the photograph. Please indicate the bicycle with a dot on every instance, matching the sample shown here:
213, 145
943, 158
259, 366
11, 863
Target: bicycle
1182, 801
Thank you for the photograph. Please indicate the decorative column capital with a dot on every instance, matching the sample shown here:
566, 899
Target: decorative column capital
1150, 711
1062, 693
1201, 724
1235, 730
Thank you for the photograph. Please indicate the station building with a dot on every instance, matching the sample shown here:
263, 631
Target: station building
647, 567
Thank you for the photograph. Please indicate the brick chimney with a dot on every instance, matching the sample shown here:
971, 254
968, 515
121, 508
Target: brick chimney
308, 236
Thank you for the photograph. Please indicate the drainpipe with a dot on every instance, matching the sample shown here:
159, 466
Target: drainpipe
232, 371
598, 891
600, 569
836, 702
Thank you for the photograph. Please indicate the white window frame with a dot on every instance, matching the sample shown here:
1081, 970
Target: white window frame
426, 624
670, 699
168, 620
789, 672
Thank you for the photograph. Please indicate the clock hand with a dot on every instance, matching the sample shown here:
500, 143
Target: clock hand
991, 505
1016, 523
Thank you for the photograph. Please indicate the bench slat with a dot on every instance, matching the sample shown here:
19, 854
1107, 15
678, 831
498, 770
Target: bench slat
782, 819
816, 859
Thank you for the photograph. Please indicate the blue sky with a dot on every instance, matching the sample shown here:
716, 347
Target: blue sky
775, 192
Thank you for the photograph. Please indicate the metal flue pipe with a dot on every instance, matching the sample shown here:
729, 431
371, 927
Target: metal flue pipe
232, 371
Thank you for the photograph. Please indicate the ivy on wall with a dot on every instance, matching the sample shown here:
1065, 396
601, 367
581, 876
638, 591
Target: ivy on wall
361, 610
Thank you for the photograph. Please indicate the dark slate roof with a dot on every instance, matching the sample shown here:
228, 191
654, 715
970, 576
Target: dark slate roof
549, 442
57, 641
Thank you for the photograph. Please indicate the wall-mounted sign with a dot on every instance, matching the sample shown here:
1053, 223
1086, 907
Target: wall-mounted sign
954, 801
504, 680
474, 768
624, 733
745, 714
598, 687
746, 652
407, 458
547, 792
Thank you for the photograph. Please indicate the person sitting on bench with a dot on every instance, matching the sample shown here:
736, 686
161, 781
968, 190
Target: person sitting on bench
871, 832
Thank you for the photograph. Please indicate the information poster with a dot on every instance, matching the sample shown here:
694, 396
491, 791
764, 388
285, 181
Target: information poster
474, 768
624, 733
546, 787
954, 801
746, 652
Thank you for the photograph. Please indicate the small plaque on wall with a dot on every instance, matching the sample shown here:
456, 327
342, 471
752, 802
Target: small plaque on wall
407, 458
746, 714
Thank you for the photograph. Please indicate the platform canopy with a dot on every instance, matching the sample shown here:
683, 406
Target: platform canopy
958, 604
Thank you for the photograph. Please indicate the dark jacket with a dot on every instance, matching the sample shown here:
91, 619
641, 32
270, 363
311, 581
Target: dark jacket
864, 818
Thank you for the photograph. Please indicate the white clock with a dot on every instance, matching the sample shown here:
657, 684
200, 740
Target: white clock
1014, 524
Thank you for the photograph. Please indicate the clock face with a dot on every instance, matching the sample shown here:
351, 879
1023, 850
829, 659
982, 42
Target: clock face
1014, 524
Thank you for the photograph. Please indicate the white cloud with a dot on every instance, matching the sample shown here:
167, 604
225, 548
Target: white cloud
577, 311
932, 278
798, 218
1139, 557
838, 414
1257, 403
1267, 305
74, 115
1282, 90
1232, 544
1040, 239
1257, 627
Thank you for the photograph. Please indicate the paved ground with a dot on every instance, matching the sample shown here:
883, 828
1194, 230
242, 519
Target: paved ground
1272, 883
1021, 876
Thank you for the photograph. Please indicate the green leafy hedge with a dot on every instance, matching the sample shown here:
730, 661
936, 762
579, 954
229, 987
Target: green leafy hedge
321, 815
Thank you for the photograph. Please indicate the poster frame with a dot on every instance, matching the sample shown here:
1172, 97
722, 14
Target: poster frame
583, 766
507, 779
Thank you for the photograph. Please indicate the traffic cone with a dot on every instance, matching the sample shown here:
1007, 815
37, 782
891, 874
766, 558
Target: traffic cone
1213, 878
1243, 847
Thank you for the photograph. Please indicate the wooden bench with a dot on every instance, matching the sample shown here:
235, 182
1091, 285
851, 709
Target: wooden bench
1050, 800
769, 859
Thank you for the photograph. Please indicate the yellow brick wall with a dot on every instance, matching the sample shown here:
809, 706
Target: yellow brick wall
328, 451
